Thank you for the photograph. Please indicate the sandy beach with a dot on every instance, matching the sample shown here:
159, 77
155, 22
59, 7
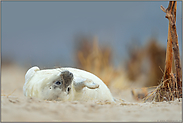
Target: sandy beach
15, 107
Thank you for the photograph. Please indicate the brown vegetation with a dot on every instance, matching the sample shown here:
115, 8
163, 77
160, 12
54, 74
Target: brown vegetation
148, 61
96, 60
171, 84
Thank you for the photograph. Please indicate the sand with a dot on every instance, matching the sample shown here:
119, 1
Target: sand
16, 107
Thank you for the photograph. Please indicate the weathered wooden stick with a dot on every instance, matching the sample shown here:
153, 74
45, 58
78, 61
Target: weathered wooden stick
170, 86
169, 54
172, 41
178, 70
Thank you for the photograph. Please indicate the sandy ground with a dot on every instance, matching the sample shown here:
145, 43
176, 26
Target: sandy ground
16, 107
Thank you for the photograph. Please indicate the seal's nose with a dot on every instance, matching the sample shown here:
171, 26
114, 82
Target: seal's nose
67, 74
70, 74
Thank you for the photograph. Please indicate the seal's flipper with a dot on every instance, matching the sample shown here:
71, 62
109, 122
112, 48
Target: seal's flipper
79, 83
91, 85
30, 73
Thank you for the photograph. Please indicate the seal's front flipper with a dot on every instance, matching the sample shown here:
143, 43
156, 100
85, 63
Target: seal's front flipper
91, 85
79, 83
30, 73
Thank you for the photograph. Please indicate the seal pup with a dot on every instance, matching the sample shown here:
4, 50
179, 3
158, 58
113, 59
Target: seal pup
65, 84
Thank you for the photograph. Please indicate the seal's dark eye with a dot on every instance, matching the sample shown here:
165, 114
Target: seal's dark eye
58, 82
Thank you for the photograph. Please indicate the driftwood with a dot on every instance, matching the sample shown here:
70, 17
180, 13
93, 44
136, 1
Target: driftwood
171, 84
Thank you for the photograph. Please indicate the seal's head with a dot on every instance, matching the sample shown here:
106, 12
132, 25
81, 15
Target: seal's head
51, 84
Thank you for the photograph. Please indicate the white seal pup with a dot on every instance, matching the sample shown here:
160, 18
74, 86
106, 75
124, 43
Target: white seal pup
66, 84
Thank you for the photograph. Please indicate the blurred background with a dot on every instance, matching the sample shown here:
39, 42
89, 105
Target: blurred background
123, 43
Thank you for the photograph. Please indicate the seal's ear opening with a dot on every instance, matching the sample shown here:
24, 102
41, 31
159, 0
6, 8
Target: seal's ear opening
30, 73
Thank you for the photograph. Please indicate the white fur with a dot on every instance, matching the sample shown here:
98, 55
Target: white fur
85, 86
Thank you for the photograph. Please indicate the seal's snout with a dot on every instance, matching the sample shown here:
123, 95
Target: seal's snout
66, 74
67, 77
70, 74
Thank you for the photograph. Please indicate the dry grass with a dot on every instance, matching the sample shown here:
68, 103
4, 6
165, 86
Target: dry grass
147, 60
96, 60
163, 92
7, 95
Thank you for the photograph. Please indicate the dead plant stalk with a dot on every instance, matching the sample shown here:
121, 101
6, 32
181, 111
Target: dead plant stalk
172, 40
171, 85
